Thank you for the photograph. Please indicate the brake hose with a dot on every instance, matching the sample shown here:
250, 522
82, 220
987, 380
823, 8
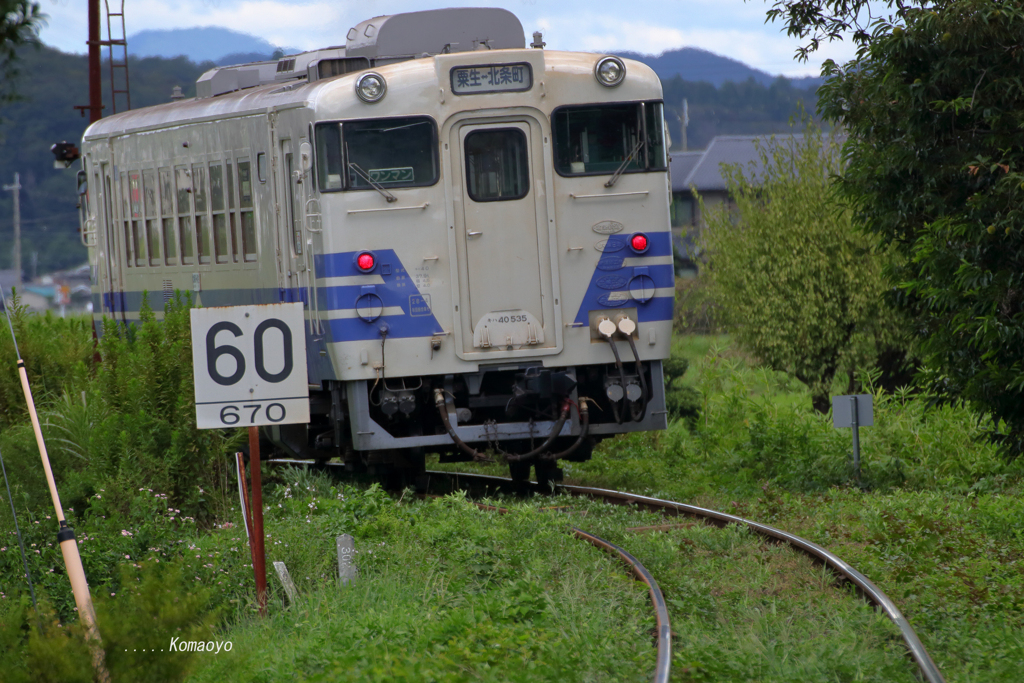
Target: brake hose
645, 397
463, 446
513, 457
622, 380
584, 429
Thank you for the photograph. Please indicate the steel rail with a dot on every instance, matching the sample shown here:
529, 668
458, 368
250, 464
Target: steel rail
867, 588
664, 660
873, 594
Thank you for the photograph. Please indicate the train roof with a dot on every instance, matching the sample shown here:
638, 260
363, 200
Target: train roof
336, 95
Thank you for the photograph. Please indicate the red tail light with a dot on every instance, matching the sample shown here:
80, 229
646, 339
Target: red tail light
365, 262
639, 242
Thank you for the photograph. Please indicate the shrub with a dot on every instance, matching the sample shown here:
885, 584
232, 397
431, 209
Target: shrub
135, 624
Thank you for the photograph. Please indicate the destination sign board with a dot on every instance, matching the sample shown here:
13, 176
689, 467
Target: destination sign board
473, 80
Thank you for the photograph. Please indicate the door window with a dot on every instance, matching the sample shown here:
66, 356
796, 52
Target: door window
497, 168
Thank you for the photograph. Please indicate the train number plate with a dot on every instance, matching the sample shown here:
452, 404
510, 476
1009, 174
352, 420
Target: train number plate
504, 329
249, 364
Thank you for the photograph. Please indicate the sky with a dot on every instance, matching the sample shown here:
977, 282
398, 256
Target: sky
732, 28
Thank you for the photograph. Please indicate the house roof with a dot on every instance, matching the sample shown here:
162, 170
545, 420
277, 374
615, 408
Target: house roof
8, 279
706, 172
681, 166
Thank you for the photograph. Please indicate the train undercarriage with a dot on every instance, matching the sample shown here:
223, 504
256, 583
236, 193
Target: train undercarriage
520, 413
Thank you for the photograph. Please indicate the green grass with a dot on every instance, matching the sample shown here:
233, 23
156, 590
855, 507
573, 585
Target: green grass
448, 592
935, 526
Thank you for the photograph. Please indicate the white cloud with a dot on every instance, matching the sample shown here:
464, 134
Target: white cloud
735, 29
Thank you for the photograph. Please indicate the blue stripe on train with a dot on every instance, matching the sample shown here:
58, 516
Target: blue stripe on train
612, 276
397, 291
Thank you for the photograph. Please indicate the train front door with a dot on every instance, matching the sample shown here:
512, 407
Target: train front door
291, 235
503, 238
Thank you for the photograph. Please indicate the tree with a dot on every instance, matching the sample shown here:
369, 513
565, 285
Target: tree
801, 288
19, 23
934, 105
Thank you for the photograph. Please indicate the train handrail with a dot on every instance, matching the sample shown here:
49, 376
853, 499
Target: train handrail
84, 233
609, 194
424, 205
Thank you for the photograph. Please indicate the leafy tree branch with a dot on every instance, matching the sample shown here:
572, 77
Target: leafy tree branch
19, 25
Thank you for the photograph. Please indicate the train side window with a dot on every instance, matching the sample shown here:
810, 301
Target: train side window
391, 153
129, 259
232, 219
261, 166
221, 240
152, 218
654, 127
167, 215
328, 156
497, 166
245, 205
199, 195
186, 228
599, 139
138, 227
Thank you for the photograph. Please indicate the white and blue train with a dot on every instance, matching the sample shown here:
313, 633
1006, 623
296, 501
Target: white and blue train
478, 232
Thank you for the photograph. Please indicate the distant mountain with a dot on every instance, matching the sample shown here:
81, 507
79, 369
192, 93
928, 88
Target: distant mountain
224, 46
46, 114
695, 65
202, 44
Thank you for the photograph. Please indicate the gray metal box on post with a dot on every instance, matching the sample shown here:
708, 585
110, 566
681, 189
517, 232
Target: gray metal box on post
854, 412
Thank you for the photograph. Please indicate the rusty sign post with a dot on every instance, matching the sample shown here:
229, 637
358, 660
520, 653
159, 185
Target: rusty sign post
249, 365
259, 565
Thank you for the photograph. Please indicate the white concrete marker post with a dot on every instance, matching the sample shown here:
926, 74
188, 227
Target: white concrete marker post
346, 568
286, 581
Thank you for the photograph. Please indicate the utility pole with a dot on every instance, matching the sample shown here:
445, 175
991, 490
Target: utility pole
16, 255
685, 120
95, 106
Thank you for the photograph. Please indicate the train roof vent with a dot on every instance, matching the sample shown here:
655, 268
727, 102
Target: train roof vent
460, 29
231, 78
227, 79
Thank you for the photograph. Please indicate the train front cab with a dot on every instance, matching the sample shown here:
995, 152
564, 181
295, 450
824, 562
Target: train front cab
549, 218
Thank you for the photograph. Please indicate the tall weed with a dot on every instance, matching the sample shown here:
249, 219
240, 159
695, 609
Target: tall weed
754, 432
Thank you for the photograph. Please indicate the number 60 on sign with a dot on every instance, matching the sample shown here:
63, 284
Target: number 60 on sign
249, 364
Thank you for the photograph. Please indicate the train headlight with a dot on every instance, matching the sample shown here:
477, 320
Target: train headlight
370, 87
610, 71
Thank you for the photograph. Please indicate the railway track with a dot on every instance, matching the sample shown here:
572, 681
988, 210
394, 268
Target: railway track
663, 662
845, 572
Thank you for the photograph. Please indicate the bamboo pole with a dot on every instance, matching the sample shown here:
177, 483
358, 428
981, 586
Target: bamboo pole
65, 534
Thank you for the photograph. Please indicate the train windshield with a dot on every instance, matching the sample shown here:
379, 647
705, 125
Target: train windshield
603, 139
375, 153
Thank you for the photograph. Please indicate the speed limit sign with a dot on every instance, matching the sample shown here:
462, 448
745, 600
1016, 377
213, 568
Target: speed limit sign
249, 364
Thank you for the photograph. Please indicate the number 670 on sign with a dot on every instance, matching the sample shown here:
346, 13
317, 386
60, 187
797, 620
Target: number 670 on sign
249, 364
